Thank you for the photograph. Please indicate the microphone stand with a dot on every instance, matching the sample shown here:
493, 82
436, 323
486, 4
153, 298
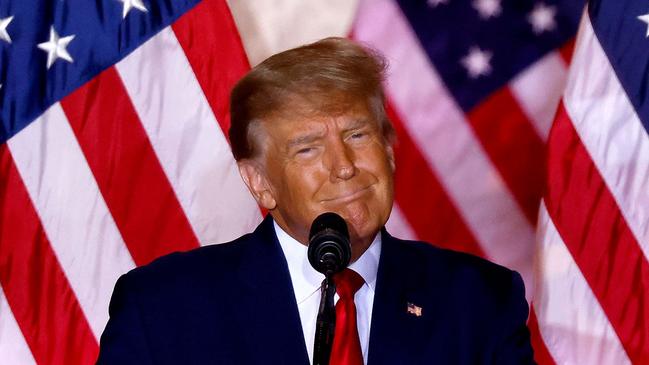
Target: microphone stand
326, 322
329, 252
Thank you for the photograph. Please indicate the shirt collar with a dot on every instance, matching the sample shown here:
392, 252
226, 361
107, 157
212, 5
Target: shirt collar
306, 280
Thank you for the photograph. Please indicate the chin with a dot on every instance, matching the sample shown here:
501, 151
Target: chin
364, 229
363, 219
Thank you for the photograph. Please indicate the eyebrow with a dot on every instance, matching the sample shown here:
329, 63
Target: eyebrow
312, 137
356, 124
301, 140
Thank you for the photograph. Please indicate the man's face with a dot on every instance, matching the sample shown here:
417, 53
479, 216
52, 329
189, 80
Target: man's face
312, 165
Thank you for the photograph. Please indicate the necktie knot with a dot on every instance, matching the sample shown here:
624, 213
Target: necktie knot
347, 283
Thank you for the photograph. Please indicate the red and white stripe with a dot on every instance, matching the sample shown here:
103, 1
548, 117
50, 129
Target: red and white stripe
65, 196
455, 154
572, 323
591, 298
540, 103
618, 145
13, 348
41, 298
132, 165
90, 214
187, 139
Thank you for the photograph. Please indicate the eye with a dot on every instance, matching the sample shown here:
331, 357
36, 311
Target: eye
303, 151
306, 152
358, 136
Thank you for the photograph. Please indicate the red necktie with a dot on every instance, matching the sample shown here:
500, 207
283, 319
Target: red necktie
346, 349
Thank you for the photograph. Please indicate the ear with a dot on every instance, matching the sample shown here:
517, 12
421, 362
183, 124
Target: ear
390, 152
254, 177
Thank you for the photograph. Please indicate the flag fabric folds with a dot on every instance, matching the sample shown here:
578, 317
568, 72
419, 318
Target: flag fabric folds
472, 91
592, 286
114, 152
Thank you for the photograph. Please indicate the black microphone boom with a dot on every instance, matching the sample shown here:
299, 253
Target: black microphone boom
329, 252
329, 249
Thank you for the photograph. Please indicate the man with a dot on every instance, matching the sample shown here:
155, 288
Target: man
310, 135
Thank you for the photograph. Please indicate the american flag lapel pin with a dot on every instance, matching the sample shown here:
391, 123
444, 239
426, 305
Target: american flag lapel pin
413, 309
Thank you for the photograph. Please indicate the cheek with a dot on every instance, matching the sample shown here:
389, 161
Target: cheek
303, 183
378, 162
381, 167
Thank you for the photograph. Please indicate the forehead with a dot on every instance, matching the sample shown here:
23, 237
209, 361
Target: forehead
297, 122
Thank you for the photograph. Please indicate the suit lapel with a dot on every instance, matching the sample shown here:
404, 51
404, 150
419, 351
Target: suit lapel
398, 335
269, 318
267, 310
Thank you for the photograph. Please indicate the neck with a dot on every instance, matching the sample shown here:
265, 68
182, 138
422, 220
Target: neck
359, 244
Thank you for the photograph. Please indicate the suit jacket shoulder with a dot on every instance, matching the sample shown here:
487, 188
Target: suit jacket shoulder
206, 266
230, 303
433, 303
490, 281
234, 304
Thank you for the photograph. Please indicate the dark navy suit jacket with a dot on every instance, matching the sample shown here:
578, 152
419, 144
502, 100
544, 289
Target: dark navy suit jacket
234, 304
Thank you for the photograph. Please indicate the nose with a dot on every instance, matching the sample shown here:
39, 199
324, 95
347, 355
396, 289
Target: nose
341, 161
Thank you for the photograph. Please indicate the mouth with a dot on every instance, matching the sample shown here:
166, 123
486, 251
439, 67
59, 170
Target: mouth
349, 196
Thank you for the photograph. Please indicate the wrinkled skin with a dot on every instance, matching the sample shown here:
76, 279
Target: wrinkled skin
311, 165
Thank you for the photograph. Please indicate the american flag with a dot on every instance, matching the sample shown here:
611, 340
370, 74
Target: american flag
473, 88
114, 153
592, 297
113, 116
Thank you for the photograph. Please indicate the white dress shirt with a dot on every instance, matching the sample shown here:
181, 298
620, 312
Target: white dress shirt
306, 285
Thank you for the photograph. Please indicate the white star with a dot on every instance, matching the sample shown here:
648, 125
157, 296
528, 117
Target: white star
477, 62
487, 8
645, 18
4, 22
542, 18
130, 4
55, 47
435, 3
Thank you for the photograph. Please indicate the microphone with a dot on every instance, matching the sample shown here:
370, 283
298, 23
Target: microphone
329, 252
329, 248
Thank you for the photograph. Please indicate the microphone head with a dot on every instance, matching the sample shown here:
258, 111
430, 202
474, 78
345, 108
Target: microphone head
329, 248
